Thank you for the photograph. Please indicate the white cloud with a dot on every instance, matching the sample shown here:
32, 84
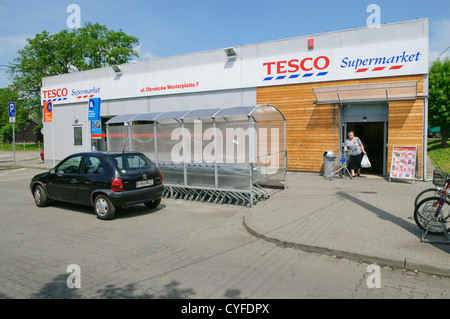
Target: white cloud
439, 38
144, 56
11, 44
148, 56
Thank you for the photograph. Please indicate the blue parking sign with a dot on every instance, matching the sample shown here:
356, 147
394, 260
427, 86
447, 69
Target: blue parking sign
12, 109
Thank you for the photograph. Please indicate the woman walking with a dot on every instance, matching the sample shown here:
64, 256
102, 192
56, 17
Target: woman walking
356, 148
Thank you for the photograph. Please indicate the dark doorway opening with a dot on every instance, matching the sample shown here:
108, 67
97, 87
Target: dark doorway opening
371, 135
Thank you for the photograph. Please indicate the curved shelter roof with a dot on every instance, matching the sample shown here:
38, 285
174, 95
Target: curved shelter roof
258, 113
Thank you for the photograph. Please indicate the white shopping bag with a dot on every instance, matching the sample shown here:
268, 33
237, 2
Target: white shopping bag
365, 163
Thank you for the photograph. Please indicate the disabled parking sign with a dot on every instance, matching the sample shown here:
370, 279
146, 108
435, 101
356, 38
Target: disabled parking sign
48, 112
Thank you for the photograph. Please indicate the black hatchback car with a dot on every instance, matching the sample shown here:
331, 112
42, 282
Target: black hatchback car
102, 180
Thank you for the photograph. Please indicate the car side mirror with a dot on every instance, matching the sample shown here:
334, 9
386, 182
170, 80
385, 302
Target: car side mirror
52, 171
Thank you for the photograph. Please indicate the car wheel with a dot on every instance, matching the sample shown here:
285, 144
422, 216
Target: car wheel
103, 207
153, 203
40, 196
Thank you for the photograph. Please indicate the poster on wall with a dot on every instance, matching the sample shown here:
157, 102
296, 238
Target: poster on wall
94, 117
96, 128
404, 162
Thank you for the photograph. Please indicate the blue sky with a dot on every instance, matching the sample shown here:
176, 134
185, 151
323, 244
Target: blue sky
167, 28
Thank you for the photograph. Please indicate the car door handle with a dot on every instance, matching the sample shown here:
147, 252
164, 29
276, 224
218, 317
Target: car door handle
73, 181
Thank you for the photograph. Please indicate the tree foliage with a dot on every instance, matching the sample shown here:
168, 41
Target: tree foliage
89, 47
439, 97
22, 114
102, 47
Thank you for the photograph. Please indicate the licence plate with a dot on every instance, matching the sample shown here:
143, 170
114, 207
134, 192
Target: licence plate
146, 183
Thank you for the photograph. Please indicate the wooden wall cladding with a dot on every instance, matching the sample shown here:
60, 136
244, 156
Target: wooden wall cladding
405, 127
313, 129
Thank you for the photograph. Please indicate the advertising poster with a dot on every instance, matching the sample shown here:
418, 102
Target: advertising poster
94, 117
404, 162
96, 128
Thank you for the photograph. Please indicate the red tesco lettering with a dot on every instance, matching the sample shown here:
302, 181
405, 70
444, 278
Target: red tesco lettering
295, 65
50, 94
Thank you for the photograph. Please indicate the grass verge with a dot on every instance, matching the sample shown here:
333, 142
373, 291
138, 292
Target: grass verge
438, 155
21, 147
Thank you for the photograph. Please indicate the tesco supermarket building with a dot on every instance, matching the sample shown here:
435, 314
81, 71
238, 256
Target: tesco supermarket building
373, 81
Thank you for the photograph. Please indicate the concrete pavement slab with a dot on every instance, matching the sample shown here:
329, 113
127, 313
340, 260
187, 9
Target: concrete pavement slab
367, 218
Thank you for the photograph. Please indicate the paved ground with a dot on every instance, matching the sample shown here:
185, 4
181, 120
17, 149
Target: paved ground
196, 250
367, 218
23, 158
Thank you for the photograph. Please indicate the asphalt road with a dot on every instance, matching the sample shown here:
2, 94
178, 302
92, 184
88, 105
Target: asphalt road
182, 249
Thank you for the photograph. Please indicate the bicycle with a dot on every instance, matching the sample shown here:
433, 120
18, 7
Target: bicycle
430, 192
439, 183
432, 214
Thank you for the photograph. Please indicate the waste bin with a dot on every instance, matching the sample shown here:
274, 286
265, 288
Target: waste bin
329, 159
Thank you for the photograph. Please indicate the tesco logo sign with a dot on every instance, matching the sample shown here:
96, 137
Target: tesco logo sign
56, 93
296, 65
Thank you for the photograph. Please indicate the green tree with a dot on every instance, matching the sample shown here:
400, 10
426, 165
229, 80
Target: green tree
102, 47
92, 46
439, 97
22, 114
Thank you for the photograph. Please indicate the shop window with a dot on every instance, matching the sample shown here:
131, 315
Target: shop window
77, 135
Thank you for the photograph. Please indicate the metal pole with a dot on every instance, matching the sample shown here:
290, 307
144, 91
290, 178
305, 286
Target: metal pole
155, 137
129, 137
425, 128
285, 155
385, 128
53, 143
216, 175
108, 147
88, 135
250, 159
14, 144
425, 140
184, 153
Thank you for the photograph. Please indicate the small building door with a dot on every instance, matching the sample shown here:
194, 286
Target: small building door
369, 122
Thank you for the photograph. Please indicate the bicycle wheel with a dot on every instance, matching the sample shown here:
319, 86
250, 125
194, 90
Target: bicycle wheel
424, 215
430, 192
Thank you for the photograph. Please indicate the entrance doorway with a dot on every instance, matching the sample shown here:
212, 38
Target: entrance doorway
372, 136
369, 123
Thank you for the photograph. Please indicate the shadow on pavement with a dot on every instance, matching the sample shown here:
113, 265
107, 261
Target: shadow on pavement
58, 289
121, 212
382, 214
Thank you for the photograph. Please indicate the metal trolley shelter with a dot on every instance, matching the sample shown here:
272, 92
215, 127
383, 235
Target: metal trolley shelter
219, 155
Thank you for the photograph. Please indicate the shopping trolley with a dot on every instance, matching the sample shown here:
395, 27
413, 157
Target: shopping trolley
340, 167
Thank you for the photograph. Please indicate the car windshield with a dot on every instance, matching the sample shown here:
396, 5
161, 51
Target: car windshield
133, 162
